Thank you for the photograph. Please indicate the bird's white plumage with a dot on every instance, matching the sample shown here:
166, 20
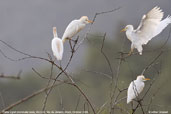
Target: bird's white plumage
149, 27
149, 24
135, 88
163, 24
74, 27
57, 46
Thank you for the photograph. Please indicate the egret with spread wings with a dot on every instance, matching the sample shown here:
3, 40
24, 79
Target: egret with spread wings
74, 27
57, 45
150, 26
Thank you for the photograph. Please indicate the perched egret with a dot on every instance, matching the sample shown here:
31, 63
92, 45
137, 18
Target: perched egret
57, 45
74, 27
135, 88
150, 26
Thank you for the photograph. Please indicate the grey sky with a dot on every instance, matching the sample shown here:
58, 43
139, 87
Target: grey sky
27, 24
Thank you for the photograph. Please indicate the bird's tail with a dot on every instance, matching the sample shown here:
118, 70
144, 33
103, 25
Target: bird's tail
168, 19
57, 48
128, 100
163, 24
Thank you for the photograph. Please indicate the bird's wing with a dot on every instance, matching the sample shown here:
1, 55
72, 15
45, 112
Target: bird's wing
57, 48
130, 93
141, 23
163, 24
139, 86
71, 29
149, 25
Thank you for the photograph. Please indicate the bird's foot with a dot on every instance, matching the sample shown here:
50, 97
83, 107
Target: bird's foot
130, 53
121, 52
71, 40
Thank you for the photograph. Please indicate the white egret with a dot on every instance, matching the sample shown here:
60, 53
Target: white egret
150, 26
57, 45
135, 88
74, 27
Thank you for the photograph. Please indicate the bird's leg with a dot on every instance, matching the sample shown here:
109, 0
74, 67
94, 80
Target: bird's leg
70, 44
132, 105
130, 52
60, 64
72, 47
70, 39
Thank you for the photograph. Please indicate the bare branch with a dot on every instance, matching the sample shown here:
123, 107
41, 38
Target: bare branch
151, 63
100, 73
106, 58
101, 108
48, 83
112, 92
62, 70
94, 18
11, 77
77, 102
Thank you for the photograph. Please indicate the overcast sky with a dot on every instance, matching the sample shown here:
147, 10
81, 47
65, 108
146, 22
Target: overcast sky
27, 24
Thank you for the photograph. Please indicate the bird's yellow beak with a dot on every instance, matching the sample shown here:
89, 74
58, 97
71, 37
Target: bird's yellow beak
123, 30
147, 79
90, 21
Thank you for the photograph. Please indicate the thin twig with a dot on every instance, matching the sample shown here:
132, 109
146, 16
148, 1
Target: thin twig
78, 101
100, 73
11, 77
152, 62
94, 18
106, 58
52, 62
48, 83
112, 93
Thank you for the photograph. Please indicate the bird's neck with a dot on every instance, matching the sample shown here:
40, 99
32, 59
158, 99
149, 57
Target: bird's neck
82, 22
129, 34
139, 81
